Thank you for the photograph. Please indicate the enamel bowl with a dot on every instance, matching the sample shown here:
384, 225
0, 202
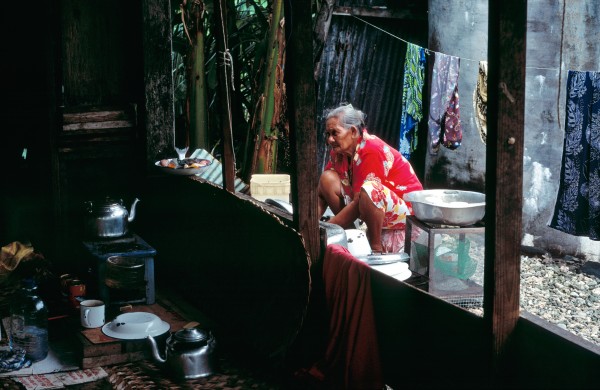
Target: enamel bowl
447, 207
135, 325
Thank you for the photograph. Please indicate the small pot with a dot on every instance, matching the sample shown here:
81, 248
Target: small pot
108, 218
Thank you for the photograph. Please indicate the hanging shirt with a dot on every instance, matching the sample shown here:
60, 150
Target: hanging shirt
480, 101
412, 98
577, 208
444, 109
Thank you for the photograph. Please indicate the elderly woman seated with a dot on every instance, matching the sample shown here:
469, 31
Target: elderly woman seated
365, 179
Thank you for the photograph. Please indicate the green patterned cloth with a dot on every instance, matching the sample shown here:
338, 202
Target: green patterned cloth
412, 98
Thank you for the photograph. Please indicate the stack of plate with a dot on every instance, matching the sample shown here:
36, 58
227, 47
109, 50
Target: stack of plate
392, 264
398, 270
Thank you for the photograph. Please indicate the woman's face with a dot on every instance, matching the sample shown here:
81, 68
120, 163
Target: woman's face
340, 139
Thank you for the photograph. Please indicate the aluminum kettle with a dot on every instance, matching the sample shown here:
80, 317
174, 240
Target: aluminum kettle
108, 218
189, 353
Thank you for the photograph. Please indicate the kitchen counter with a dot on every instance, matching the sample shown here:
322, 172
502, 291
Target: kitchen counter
130, 365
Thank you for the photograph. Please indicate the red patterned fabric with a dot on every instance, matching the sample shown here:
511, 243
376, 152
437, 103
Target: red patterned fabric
352, 358
452, 127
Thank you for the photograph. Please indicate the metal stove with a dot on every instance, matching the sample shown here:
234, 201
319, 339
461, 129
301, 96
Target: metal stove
113, 281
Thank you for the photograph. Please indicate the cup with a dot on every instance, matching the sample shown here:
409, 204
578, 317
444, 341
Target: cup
92, 313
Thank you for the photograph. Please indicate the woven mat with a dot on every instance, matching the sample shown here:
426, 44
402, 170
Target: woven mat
146, 375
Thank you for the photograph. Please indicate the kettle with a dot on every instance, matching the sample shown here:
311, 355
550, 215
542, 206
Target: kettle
189, 353
108, 218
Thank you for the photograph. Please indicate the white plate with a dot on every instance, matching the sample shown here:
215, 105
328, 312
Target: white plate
135, 325
181, 171
384, 258
403, 275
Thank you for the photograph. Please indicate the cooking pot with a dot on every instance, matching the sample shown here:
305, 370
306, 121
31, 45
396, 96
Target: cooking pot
108, 218
189, 353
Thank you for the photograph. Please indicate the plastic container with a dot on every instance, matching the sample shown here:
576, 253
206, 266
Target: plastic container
273, 186
29, 322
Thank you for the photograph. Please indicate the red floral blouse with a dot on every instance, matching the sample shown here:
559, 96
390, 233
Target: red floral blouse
374, 160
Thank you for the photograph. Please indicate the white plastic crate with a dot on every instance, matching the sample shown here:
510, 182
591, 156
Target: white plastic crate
273, 186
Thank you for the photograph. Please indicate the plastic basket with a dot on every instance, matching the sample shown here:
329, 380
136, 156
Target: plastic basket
273, 186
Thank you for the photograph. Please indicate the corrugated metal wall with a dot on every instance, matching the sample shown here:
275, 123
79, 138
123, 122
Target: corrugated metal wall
362, 64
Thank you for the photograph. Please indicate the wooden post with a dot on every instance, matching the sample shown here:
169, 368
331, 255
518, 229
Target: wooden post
504, 170
224, 70
159, 109
300, 86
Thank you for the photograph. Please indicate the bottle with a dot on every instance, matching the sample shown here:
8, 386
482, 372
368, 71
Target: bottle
29, 322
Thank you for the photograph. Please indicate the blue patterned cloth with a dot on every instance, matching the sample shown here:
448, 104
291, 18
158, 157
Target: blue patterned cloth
412, 98
13, 360
577, 209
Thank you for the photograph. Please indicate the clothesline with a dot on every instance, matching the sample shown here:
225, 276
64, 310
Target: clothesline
428, 51
574, 213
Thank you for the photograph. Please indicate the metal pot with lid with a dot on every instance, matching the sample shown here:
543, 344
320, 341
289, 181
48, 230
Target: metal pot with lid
108, 218
189, 352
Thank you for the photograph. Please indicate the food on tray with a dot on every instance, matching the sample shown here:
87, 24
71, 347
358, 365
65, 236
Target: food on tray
186, 163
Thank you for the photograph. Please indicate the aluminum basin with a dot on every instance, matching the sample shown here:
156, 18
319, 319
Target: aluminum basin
447, 207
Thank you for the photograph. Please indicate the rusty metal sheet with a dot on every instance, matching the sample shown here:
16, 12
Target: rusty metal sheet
363, 64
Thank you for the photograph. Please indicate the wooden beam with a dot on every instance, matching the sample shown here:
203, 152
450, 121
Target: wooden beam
159, 118
379, 12
504, 170
301, 95
321, 30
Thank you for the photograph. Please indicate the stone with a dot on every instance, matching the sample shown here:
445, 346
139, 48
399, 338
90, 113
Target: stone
533, 251
556, 250
591, 268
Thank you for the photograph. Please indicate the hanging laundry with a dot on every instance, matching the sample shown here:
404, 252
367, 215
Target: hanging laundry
412, 98
480, 100
444, 110
577, 208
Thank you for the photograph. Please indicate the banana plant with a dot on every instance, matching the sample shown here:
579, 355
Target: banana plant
269, 117
193, 15
256, 37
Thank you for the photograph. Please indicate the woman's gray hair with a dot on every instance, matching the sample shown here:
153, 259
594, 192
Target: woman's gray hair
347, 116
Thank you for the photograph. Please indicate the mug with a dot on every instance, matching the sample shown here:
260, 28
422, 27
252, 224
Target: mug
92, 313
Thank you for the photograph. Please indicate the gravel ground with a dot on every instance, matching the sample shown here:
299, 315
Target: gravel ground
557, 291
560, 289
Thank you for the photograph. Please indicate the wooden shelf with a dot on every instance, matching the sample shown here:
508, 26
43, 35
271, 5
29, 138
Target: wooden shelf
94, 119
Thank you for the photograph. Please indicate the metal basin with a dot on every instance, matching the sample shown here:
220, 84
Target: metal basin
447, 207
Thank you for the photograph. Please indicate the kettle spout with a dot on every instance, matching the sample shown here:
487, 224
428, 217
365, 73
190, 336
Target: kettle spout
132, 212
155, 352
